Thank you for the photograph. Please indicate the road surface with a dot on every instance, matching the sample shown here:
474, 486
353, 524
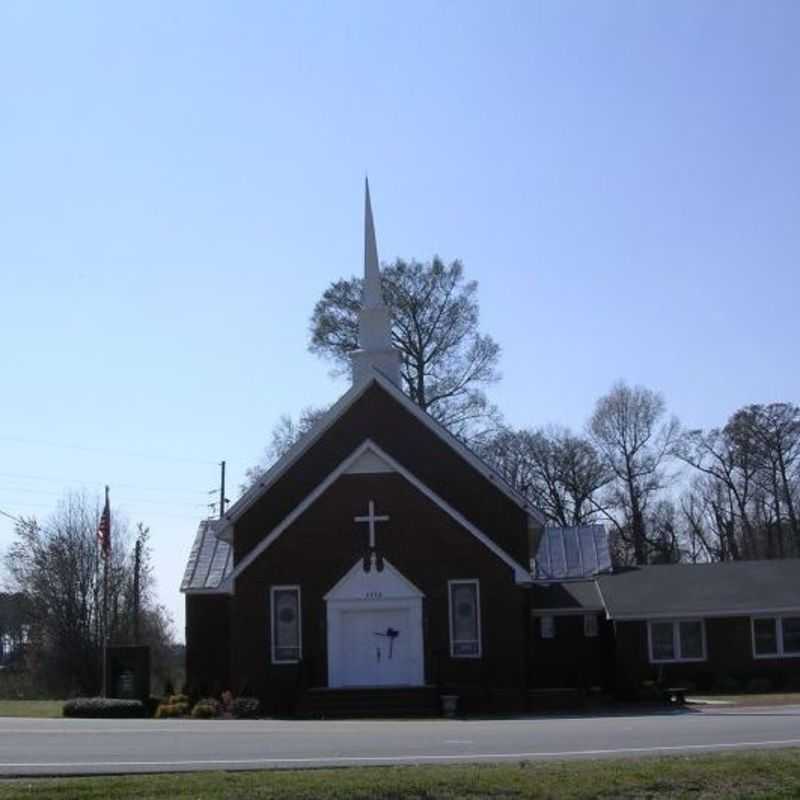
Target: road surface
70, 747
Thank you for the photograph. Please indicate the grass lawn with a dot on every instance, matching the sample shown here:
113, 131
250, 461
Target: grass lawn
773, 774
31, 708
785, 699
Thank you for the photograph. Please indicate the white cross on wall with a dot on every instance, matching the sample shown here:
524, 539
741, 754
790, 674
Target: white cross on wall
371, 519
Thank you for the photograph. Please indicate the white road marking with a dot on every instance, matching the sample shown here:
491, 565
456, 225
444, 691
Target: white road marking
404, 759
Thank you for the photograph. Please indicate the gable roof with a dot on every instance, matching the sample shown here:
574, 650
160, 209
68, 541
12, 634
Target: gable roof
210, 561
572, 553
262, 485
521, 574
729, 588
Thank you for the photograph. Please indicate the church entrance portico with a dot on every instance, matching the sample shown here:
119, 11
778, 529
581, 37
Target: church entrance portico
374, 618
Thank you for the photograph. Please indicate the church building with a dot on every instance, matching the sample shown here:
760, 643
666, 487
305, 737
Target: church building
381, 564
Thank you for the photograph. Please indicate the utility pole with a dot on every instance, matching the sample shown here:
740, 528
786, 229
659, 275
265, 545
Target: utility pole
222, 499
137, 565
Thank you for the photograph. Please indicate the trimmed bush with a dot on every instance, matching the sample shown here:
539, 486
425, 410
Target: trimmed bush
178, 698
104, 707
207, 708
245, 707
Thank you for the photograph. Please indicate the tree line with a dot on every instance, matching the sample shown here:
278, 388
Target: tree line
664, 492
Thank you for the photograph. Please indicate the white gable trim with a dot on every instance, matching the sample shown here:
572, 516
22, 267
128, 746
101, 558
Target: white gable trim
521, 575
389, 571
223, 529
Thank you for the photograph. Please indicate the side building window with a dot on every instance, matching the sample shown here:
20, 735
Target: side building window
547, 627
590, 626
465, 619
776, 637
677, 640
285, 625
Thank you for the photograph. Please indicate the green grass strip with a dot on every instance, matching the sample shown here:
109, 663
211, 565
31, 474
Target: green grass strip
762, 774
31, 708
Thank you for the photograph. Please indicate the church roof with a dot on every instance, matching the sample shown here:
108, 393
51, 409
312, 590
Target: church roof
210, 561
572, 553
262, 485
729, 588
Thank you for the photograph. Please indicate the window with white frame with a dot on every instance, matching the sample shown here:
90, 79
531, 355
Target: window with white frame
465, 619
590, 626
286, 630
677, 640
776, 637
547, 627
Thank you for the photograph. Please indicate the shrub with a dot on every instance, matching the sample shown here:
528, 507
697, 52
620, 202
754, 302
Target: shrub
245, 707
207, 708
103, 707
175, 699
171, 710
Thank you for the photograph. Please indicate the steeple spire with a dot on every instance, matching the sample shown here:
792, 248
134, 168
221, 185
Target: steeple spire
372, 271
374, 321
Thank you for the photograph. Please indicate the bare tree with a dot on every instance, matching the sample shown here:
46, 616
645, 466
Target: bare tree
446, 361
751, 482
635, 440
560, 473
56, 566
284, 435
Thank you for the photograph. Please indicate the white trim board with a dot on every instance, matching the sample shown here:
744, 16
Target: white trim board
521, 575
336, 411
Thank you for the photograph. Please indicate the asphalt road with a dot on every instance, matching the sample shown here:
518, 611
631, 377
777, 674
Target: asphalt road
52, 746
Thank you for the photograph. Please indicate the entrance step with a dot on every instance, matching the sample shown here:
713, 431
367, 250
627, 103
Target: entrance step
379, 701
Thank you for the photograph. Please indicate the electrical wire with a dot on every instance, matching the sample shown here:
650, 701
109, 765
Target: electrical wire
128, 454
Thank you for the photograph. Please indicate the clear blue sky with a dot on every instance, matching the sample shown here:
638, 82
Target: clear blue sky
180, 181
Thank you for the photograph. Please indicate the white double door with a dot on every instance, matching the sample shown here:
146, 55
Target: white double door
374, 621
377, 647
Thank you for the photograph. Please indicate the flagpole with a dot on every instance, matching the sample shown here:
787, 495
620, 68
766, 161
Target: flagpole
106, 556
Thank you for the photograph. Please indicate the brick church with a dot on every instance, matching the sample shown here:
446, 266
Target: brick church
381, 561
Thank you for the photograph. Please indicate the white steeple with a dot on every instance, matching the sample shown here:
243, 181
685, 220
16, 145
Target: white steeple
374, 320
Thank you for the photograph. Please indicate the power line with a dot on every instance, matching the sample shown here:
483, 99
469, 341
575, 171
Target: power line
48, 506
136, 500
128, 454
98, 482
131, 500
10, 516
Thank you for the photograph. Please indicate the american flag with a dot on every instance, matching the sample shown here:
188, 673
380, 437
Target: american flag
104, 529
